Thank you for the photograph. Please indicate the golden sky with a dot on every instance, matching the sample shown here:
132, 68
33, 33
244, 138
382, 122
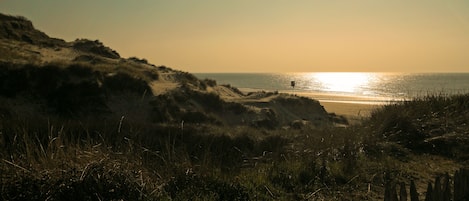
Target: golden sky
267, 35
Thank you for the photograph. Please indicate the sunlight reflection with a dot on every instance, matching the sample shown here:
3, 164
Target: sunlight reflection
342, 82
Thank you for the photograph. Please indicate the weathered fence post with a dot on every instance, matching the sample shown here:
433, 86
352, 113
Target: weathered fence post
441, 191
446, 188
390, 192
387, 191
436, 196
428, 195
394, 193
457, 185
402, 192
461, 185
414, 195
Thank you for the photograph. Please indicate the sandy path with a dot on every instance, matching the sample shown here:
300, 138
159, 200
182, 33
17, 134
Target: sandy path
349, 109
164, 84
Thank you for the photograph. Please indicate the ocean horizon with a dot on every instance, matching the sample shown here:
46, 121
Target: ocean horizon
352, 87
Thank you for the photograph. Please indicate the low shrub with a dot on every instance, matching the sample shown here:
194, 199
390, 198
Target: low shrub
95, 47
122, 82
13, 80
78, 99
210, 82
135, 59
236, 90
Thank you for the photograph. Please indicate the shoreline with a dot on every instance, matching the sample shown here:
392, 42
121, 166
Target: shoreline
350, 106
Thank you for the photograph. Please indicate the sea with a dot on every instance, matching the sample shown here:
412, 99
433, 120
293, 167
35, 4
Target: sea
352, 87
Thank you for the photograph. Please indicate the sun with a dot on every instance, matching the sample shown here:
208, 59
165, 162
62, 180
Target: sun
342, 82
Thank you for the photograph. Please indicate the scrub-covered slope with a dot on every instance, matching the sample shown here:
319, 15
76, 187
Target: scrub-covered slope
48, 76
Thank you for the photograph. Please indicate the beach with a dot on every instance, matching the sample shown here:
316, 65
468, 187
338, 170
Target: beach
352, 107
357, 95
354, 112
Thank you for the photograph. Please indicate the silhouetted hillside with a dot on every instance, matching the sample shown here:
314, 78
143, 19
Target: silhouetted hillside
85, 77
21, 29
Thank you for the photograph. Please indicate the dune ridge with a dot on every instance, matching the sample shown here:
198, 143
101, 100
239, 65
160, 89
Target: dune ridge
98, 71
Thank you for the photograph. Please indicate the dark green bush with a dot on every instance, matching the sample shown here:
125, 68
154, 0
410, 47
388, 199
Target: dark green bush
78, 99
95, 47
210, 82
12, 80
125, 83
46, 80
135, 59
197, 117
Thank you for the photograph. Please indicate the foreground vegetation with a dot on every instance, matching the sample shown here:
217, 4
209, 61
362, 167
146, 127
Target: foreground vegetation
49, 158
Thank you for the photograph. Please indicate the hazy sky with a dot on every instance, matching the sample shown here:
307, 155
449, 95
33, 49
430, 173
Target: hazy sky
266, 35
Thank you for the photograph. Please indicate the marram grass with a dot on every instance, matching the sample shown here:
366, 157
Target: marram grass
46, 158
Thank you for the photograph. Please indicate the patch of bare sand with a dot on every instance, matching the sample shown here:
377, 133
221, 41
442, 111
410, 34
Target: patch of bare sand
352, 111
225, 93
55, 54
349, 109
166, 82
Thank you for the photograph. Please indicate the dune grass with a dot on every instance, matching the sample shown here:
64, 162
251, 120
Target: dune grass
121, 159
49, 158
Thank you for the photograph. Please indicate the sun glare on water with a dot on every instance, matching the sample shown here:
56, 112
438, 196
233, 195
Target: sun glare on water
342, 82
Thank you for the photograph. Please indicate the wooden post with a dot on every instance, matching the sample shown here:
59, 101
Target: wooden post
394, 193
387, 191
446, 188
457, 185
414, 195
461, 185
429, 194
390, 193
440, 191
402, 192
437, 189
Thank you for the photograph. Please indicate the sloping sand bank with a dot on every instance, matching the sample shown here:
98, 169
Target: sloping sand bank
347, 105
352, 107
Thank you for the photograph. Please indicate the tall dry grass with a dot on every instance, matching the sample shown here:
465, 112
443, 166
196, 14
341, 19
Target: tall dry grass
119, 157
